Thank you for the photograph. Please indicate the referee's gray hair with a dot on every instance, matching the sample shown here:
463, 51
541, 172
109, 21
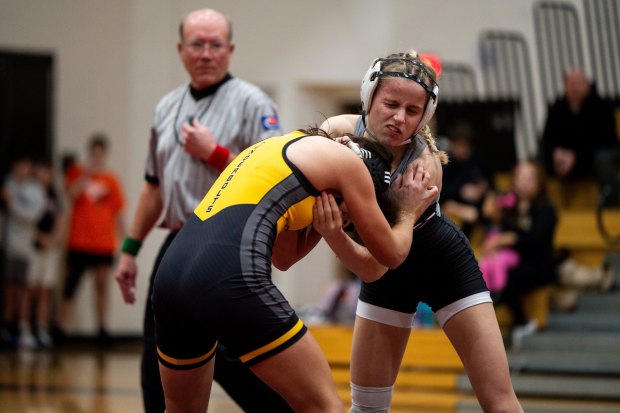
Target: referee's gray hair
228, 20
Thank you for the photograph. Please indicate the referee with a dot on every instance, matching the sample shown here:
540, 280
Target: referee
198, 128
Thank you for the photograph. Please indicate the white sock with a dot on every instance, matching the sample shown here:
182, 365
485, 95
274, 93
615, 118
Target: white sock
370, 399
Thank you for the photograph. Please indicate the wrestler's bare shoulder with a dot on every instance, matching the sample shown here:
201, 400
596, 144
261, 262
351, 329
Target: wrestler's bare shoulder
340, 125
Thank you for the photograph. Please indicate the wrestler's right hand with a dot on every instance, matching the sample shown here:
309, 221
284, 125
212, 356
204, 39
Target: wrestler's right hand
354, 146
414, 191
126, 277
345, 140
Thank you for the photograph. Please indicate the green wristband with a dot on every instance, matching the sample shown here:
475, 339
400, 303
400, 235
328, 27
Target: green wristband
131, 246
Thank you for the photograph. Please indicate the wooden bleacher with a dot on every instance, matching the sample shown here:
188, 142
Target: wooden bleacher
578, 232
427, 381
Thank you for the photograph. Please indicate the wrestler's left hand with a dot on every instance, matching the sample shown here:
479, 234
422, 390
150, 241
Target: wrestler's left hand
327, 218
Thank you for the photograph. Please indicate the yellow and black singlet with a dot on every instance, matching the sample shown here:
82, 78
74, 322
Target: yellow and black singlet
214, 282
262, 176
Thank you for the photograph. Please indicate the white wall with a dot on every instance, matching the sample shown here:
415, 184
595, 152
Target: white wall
114, 59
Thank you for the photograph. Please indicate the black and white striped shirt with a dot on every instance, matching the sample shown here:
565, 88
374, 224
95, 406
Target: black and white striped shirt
238, 113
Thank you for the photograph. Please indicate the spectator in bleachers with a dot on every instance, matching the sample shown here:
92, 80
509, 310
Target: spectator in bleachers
466, 178
580, 125
500, 210
532, 238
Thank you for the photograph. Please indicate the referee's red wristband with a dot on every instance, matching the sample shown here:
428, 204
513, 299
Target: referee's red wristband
219, 157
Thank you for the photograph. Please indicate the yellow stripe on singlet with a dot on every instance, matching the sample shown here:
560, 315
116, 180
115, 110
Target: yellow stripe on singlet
275, 343
186, 362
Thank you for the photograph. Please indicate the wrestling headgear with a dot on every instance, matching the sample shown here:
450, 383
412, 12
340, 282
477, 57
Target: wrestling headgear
414, 70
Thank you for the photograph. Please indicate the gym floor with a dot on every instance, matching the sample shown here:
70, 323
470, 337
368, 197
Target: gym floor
80, 378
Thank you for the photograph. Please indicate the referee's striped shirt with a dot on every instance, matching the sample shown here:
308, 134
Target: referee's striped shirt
238, 113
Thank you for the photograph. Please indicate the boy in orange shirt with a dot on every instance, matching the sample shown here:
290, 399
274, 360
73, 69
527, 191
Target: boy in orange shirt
95, 226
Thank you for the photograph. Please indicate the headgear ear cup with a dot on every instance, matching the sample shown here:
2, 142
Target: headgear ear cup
369, 84
429, 110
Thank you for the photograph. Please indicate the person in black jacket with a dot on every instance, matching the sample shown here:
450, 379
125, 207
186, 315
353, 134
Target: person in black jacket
466, 178
580, 126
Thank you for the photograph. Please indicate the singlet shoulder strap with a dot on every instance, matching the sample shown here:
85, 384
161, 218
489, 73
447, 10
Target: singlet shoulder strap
413, 152
359, 127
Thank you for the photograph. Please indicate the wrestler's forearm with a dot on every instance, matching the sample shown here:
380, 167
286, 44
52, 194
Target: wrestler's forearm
356, 258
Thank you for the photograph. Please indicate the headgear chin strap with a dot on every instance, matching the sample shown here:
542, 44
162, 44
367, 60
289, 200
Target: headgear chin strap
418, 75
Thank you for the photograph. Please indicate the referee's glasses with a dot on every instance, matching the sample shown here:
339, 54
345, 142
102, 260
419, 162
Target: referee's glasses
199, 46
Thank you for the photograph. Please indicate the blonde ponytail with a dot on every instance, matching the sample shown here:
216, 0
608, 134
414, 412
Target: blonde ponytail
432, 144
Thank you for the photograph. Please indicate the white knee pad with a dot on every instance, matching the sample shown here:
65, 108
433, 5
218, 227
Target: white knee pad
370, 399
